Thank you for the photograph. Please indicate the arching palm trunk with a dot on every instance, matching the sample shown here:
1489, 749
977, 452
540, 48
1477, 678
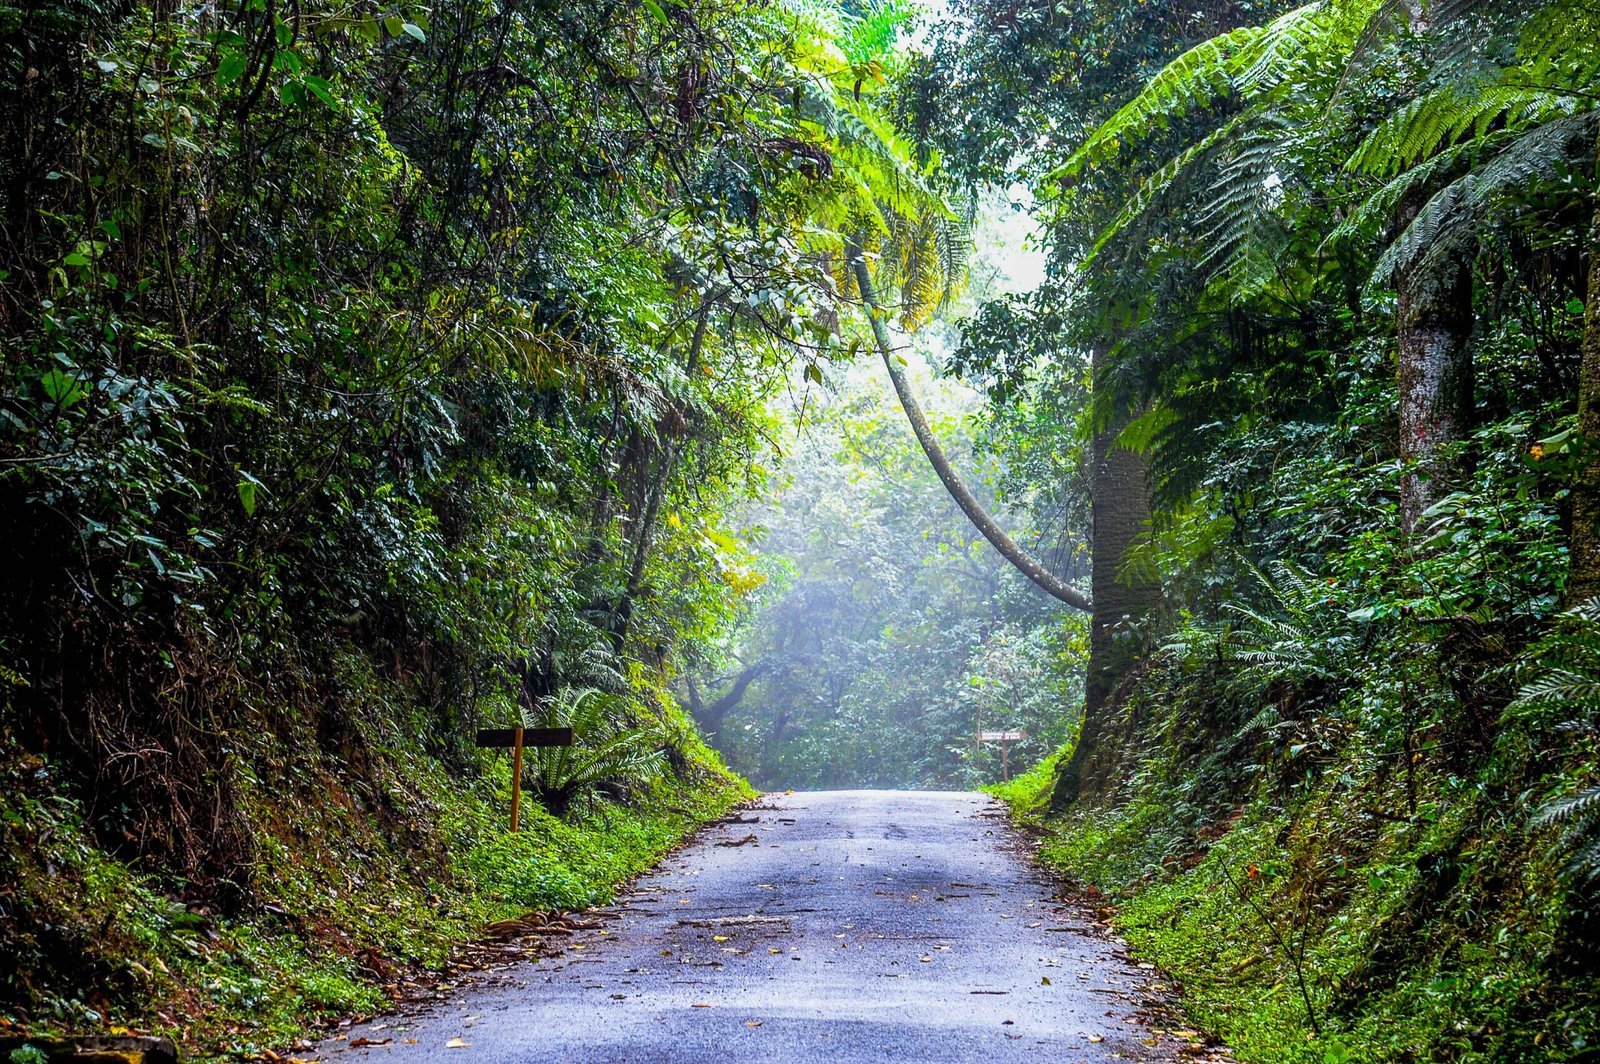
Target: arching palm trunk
1025, 563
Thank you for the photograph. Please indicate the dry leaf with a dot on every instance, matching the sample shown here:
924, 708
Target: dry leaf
719, 938
456, 1043
1097, 1038
701, 1005
752, 1023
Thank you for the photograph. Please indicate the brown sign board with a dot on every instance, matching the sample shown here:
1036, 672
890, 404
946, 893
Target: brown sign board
530, 737
1002, 736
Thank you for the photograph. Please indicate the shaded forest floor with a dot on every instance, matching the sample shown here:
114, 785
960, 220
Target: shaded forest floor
369, 874
1342, 919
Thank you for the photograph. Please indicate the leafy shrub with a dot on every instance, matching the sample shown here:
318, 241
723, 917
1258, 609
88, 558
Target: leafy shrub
1564, 692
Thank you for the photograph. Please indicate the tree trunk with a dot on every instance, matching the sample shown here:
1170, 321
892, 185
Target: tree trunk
710, 717
1434, 323
1025, 563
1119, 499
1583, 579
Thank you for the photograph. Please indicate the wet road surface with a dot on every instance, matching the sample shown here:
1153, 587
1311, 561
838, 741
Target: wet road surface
854, 926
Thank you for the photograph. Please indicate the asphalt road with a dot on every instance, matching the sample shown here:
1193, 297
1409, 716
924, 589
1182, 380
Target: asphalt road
856, 926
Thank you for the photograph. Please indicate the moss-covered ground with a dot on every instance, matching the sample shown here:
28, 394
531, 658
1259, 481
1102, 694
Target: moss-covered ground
1355, 916
363, 873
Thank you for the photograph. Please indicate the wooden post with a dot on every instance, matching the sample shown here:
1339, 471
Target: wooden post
516, 781
1005, 739
517, 738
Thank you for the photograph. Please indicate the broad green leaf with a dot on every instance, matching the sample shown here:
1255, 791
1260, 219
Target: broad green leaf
62, 388
232, 67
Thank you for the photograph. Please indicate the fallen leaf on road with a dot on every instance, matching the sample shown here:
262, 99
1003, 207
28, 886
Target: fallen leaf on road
1044, 981
773, 949
738, 842
456, 1043
1097, 1038
701, 1005
719, 938
752, 1023
370, 1041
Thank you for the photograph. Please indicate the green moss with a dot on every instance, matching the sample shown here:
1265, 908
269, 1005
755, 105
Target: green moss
1028, 795
1439, 935
356, 876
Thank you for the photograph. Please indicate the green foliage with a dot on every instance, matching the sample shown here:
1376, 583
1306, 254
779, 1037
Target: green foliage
355, 886
607, 751
889, 633
1564, 693
360, 374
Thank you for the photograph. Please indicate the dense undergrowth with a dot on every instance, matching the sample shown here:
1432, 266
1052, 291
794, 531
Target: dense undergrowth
1341, 903
365, 880
369, 375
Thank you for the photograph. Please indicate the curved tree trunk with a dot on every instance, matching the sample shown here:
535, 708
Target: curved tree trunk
1025, 563
1119, 498
711, 717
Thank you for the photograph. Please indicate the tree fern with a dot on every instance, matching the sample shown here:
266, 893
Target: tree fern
608, 748
1446, 222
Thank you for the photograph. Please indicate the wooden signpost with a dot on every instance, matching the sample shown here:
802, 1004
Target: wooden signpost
1005, 739
516, 739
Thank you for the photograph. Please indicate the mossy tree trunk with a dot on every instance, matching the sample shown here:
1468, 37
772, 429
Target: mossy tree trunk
1433, 326
1119, 497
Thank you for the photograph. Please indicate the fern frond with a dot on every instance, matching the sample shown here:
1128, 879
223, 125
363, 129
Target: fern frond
1446, 221
1329, 28
1195, 79
1583, 864
1152, 187
1439, 118
1560, 688
1378, 209
1574, 806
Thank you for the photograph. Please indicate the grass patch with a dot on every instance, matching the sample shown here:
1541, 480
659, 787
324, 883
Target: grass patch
1317, 926
356, 879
